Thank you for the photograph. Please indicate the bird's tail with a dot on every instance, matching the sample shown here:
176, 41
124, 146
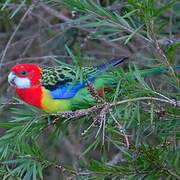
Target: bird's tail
110, 79
158, 70
111, 63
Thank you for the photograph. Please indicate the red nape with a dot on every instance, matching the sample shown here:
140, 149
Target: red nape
31, 96
100, 91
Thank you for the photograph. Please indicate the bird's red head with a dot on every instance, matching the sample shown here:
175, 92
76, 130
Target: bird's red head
25, 75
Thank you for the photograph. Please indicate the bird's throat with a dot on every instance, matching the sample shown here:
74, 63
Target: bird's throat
31, 95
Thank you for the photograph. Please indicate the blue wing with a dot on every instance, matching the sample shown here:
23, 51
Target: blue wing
69, 89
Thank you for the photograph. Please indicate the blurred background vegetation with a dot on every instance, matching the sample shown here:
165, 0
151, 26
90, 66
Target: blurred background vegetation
95, 31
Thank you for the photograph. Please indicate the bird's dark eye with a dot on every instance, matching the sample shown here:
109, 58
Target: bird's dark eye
22, 73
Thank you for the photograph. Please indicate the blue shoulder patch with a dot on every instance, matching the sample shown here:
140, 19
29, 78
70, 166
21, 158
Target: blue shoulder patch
68, 90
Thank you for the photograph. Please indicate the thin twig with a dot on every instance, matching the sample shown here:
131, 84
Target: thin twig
121, 129
14, 33
161, 95
100, 127
159, 50
102, 118
89, 127
172, 102
84, 112
54, 13
11, 103
94, 92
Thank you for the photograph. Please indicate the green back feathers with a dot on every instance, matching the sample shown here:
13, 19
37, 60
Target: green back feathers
51, 76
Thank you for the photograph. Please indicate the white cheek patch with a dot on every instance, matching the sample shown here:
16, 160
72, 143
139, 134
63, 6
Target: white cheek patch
22, 82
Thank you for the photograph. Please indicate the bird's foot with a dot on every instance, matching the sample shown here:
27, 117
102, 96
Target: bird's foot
52, 119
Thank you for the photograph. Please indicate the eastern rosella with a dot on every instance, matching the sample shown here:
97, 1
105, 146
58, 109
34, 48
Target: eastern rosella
58, 89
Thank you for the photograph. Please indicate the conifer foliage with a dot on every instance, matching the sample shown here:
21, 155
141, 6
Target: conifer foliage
133, 131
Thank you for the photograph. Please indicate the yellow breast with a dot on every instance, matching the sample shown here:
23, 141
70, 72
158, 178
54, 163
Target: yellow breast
50, 105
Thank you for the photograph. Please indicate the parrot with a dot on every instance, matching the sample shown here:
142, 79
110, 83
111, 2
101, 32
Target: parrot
61, 88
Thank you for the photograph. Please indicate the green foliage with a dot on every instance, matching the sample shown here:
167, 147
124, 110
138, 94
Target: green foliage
141, 162
30, 148
108, 23
19, 4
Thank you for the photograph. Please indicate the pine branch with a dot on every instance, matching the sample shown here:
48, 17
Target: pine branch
105, 108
